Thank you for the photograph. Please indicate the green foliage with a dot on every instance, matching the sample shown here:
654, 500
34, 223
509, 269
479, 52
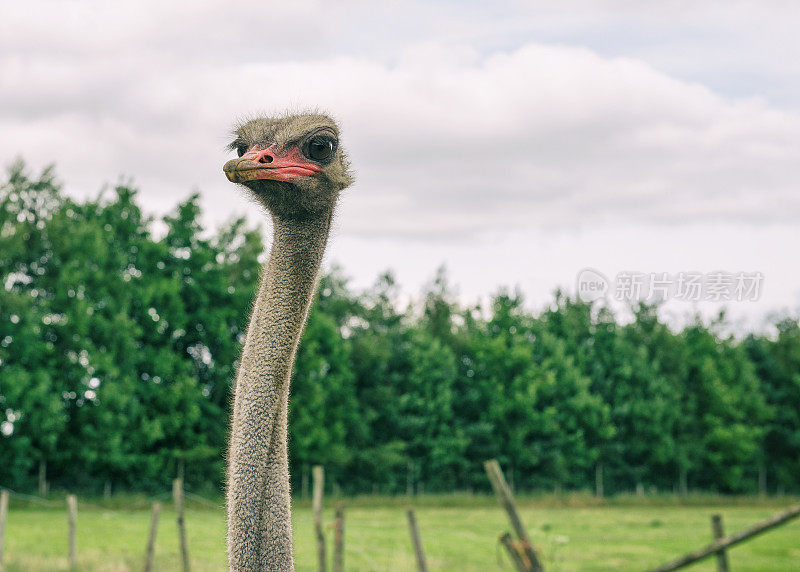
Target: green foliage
118, 347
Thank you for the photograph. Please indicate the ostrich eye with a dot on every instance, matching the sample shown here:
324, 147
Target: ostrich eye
241, 150
320, 148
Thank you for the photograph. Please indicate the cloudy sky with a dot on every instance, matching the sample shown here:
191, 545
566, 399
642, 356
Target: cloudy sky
516, 142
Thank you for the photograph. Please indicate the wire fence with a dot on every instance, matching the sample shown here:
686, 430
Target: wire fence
519, 551
59, 503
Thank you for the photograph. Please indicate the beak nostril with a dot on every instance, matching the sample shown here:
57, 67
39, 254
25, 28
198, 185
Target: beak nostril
265, 159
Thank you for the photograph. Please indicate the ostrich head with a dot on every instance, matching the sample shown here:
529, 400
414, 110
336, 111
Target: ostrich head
293, 165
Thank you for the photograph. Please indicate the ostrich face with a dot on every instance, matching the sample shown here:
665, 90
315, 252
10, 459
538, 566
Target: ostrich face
293, 165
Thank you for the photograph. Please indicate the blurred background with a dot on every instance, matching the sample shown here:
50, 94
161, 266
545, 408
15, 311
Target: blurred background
504, 152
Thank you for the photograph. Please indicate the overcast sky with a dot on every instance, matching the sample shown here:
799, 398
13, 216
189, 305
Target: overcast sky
515, 142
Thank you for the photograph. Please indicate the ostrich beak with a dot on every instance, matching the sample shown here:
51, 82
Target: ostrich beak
284, 169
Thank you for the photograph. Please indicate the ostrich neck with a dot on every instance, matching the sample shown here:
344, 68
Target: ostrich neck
259, 515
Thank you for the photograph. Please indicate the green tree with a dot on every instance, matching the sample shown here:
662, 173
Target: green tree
778, 365
32, 403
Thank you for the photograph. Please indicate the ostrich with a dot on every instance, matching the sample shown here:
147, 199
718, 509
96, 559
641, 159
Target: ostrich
292, 165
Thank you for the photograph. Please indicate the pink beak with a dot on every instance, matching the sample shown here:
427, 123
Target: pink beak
269, 164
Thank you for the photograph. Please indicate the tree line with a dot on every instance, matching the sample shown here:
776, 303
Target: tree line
118, 346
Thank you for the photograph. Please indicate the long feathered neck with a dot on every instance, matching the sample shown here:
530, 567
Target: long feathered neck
259, 512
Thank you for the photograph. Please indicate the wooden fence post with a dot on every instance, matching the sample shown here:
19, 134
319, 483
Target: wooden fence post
516, 559
177, 497
319, 488
416, 540
722, 557
598, 480
151, 540
728, 541
507, 500
42, 477
72, 516
3, 516
683, 482
338, 545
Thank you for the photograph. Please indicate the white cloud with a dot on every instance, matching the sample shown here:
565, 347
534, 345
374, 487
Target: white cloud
445, 140
461, 119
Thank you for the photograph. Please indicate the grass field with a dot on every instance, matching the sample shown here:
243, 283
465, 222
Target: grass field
458, 534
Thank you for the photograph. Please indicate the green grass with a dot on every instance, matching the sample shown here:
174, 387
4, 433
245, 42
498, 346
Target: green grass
459, 533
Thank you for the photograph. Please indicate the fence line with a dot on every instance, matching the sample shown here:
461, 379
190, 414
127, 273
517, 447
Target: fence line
718, 545
528, 554
338, 544
521, 551
719, 532
3, 516
317, 494
151, 540
72, 515
416, 540
177, 495
513, 552
202, 500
